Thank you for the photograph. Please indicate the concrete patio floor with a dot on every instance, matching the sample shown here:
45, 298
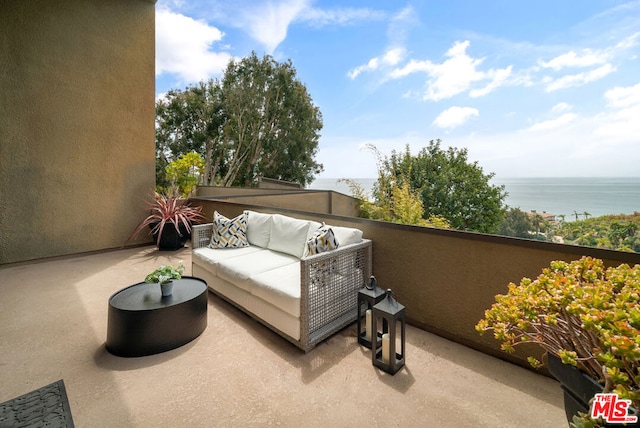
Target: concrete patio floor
238, 373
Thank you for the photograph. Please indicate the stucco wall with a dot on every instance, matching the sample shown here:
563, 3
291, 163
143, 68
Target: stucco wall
76, 124
318, 201
446, 279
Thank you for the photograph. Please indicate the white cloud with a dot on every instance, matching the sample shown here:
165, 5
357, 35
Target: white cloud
400, 25
268, 22
588, 58
395, 52
455, 116
551, 124
579, 79
183, 47
498, 79
620, 123
623, 97
389, 58
450, 78
629, 42
455, 75
560, 107
340, 16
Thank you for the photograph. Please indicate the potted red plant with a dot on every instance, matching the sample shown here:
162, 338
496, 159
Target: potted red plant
170, 220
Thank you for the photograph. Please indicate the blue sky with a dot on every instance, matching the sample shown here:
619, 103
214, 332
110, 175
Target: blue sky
531, 89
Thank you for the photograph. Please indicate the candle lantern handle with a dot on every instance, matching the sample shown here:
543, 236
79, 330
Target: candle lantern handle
373, 283
391, 297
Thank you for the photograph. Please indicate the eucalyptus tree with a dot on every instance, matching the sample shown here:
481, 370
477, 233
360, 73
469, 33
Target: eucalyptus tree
271, 122
191, 120
257, 120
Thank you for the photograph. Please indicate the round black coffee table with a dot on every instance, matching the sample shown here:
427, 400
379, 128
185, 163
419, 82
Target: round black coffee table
142, 322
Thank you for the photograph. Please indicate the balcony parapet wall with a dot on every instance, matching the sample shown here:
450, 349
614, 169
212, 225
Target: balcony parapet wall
446, 279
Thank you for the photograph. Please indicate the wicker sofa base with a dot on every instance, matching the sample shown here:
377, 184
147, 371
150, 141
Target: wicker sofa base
312, 340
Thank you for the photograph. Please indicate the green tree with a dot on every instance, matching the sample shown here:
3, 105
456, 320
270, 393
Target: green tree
404, 206
450, 186
515, 223
191, 121
186, 172
616, 232
258, 120
272, 122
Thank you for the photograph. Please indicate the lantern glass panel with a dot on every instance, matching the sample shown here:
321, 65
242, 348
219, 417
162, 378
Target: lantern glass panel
368, 297
388, 353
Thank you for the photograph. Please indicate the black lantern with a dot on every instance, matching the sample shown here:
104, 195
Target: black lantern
368, 296
387, 317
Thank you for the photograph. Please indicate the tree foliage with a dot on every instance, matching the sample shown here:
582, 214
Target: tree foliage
404, 206
189, 121
516, 223
617, 232
185, 173
449, 186
258, 120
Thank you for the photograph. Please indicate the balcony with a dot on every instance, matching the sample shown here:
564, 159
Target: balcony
239, 373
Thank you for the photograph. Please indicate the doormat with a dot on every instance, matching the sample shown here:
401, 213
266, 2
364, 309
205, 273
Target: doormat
45, 407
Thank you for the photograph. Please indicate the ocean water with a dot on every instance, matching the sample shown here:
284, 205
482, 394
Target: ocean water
596, 196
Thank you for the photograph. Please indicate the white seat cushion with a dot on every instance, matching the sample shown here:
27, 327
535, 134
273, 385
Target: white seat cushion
280, 287
209, 257
238, 270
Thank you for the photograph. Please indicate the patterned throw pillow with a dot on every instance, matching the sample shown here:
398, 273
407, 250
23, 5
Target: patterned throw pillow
229, 233
322, 240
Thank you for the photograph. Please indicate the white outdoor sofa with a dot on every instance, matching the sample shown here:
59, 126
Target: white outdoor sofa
303, 297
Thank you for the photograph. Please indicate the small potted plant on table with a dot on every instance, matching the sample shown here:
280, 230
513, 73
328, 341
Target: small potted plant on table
165, 275
587, 319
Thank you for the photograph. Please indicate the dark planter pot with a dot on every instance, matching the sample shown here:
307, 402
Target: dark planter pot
578, 389
170, 240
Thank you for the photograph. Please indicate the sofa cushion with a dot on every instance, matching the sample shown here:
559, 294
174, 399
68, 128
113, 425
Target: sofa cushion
323, 239
347, 235
288, 235
280, 287
229, 233
238, 270
258, 228
209, 258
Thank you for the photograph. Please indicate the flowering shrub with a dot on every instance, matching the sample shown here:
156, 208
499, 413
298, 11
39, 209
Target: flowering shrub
585, 314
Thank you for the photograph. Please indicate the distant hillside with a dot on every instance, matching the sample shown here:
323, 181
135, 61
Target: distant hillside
616, 232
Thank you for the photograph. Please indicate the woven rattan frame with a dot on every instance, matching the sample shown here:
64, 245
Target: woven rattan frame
329, 288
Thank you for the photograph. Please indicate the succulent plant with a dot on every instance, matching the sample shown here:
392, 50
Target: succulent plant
582, 312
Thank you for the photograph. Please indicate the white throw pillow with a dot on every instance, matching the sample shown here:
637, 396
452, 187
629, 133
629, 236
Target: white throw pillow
347, 235
258, 228
229, 233
288, 235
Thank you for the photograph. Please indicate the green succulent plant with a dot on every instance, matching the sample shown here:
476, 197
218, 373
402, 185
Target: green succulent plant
582, 312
